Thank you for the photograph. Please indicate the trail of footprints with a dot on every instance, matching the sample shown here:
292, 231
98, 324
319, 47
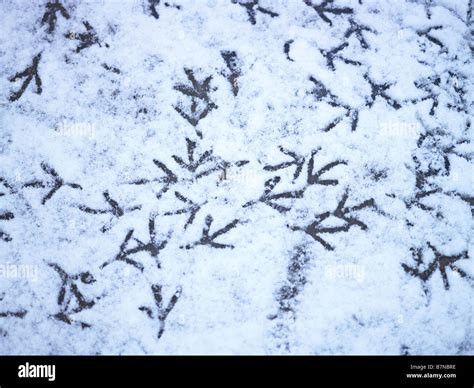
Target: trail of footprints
194, 106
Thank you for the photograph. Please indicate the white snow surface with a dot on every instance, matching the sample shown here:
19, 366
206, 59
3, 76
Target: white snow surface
355, 115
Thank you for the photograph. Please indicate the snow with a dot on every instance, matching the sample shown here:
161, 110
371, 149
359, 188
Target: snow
312, 195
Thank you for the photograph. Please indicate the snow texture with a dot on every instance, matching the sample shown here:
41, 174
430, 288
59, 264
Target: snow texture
236, 177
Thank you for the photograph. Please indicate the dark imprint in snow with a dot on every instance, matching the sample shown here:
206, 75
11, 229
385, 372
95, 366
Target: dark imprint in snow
54, 184
287, 297
233, 73
153, 247
29, 73
326, 7
315, 229
196, 165
322, 93
441, 262
160, 312
208, 239
86, 39
115, 210
6, 217
252, 7
50, 16
70, 298
11, 314
313, 178
201, 104
153, 7
191, 209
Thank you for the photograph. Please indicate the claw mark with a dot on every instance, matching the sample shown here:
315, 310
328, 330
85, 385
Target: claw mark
441, 262
50, 16
6, 217
29, 73
252, 7
267, 197
111, 68
56, 183
191, 209
153, 247
453, 85
231, 60
423, 187
379, 90
315, 229
297, 161
286, 49
324, 94
332, 54
15, 314
201, 104
208, 239
314, 178
87, 38
427, 86
326, 7
11, 314
70, 299
123, 254
169, 178
161, 311
426, 33
115, 210
193, 164
357, 30
196, 161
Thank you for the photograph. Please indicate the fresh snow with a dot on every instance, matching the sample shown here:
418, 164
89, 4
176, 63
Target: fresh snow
236, 177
